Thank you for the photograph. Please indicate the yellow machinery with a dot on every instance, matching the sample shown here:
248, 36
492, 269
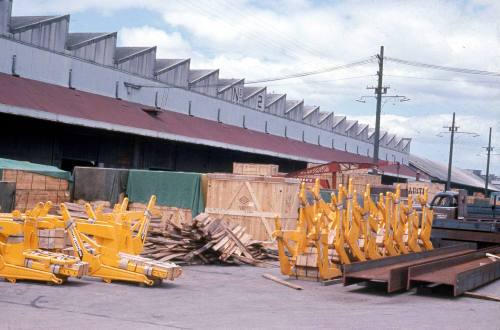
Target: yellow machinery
371, 218
346, 230
20, 258
425, 222
132, 226
399, 223
99, 244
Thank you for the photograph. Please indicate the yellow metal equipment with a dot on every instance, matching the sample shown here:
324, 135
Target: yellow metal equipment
348, 230
131, 226
98, 244
426, 221
20, 259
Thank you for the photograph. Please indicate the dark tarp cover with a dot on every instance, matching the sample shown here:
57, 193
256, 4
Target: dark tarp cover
11, 164
178, 189
95, 183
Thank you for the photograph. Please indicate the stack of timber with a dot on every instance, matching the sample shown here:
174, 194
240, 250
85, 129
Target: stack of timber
32, 188
206, 240
51, 239
165, 215
253, 202
255, 169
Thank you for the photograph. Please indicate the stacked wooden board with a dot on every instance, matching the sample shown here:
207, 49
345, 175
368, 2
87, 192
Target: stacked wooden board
52, 239
166, 214
32, 188
206, 240
253, 202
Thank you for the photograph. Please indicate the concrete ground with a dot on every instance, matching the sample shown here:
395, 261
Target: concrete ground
210, 297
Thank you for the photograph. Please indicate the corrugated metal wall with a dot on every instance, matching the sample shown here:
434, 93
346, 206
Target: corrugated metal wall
233, 94
312, 113
50, 35
257, 101
177, 75
206, 85
142, 64
277, 107
101, 51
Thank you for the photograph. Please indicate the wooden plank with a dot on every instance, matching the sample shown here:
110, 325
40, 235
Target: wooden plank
241, 213
258, 207
282, 282
480, 296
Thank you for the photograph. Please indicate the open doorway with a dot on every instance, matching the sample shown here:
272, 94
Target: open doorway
68, 164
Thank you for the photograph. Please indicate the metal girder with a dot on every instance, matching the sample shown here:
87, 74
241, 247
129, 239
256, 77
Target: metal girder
465, 235
394, 270
461, 273
485, 225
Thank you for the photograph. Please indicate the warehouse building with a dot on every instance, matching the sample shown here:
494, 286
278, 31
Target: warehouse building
71, 99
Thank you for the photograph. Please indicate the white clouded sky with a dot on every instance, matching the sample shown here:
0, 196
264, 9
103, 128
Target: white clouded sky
260, 39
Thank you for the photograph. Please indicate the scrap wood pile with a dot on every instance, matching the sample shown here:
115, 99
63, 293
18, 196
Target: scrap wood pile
206, 240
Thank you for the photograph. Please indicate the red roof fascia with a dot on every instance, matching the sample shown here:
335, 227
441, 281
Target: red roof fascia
32, 94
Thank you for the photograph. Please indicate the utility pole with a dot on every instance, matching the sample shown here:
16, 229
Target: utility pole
489, 149
452, 130
379, 91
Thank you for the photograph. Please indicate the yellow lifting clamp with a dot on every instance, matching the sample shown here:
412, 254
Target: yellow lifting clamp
412, 226
388, 241
327, 220
370, 220
98, 244
339, 240
399, 222
426, 221
20, 258
344, 231
354, 223
132, 226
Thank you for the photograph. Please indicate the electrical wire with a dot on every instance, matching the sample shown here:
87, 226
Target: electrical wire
368, 60
442, 79
289, 76
443, 68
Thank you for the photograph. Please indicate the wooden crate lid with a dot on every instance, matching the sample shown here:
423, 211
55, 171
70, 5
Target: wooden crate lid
258, 178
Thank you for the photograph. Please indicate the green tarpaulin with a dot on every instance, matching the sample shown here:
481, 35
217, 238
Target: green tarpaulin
177, 189
10, 164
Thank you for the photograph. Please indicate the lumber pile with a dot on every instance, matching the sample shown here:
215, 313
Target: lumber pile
164, 215
32, 188
206, 240
77, 209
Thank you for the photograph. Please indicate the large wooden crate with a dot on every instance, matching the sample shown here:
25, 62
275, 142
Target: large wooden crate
255, 169
32, 188
254, 202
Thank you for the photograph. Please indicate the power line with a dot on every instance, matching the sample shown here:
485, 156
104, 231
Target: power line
285, 77
322, 81
443, 68
442, 79
368, 60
